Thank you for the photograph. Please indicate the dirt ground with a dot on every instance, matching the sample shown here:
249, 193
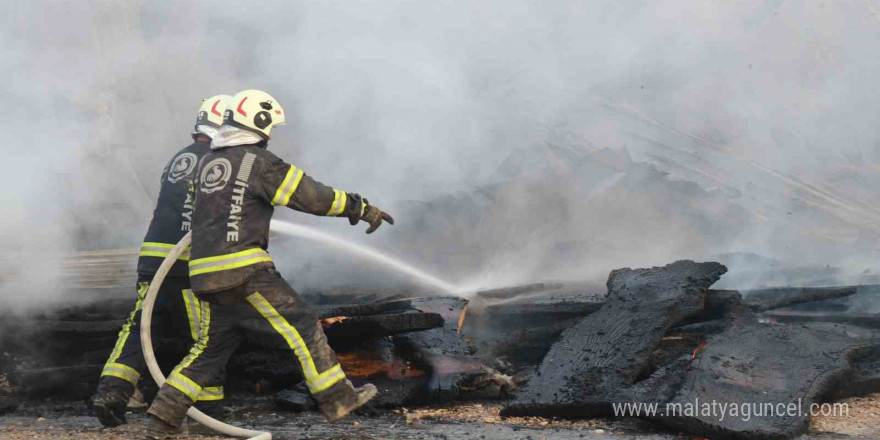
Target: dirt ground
863, 419
473, 420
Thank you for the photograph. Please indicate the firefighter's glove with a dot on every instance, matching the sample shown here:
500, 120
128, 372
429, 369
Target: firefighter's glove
374, 217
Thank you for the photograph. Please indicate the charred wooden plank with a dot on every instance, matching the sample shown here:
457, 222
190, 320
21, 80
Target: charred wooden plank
372, 308
523, 347
765, 364
705, 327
540, 312
514, 291
447, 357
356, 329
864, 379
71, 381
869, 320
720, 307
441, 351
449, 307
607, 351
776, 298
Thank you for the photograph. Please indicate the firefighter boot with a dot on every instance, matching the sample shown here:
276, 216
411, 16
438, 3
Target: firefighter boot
111, 401
157, 429
354, 398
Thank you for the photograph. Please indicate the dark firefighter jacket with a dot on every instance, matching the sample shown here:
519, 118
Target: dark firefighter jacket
237, 190
172, 218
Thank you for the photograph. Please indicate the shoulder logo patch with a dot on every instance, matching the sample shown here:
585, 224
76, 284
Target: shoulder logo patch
182, 167
215, 175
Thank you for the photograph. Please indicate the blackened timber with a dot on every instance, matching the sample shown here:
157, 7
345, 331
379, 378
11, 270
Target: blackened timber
870, 320
441, 351
585, 370
372, 308
776, 298
865, 377
356, 329
720, 306
75, 381
541, 312
525, 347
514, 291
764, 365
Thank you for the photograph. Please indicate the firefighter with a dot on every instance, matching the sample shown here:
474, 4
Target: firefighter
172, 219
239, 184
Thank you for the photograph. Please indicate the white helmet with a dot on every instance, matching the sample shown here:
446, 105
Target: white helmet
211, 111
255, 111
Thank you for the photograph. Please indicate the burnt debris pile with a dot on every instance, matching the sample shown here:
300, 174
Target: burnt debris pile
663, 339
660, 336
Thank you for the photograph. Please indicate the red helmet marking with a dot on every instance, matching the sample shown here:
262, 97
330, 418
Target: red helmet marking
214, 108
239, 106
277, 112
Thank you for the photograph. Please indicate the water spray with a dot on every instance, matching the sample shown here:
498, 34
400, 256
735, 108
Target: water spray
366, 252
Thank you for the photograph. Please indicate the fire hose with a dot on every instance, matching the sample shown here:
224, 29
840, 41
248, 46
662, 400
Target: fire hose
150, 357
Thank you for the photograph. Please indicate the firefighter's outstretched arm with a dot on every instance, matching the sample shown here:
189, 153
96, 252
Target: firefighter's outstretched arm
289, 186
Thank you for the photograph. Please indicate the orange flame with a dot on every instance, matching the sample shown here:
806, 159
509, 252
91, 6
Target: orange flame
699, 349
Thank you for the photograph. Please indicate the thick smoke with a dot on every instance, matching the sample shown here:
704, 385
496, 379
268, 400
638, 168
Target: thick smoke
516, 140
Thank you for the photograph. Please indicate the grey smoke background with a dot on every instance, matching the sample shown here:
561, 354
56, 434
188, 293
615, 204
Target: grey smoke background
514, 140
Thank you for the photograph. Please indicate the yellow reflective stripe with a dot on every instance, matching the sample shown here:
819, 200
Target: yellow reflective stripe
185, 385
288, 186
217, 258
280, 192
202, 342
157, 245
339, 198
211, 394
290, 334
363, 208
161, 250
121, 371
143, 286
326, 379
176, 378
228, 261
315, 382
191, 304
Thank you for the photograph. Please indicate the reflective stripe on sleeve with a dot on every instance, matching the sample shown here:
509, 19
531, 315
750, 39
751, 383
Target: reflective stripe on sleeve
228, 261
288, 186
339, 198
161, 250
121, 371
314, 381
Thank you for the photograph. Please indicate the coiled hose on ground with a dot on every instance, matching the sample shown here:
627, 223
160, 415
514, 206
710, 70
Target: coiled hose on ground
150, 357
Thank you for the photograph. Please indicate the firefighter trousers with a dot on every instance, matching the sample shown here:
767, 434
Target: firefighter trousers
265, 308
177, 313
